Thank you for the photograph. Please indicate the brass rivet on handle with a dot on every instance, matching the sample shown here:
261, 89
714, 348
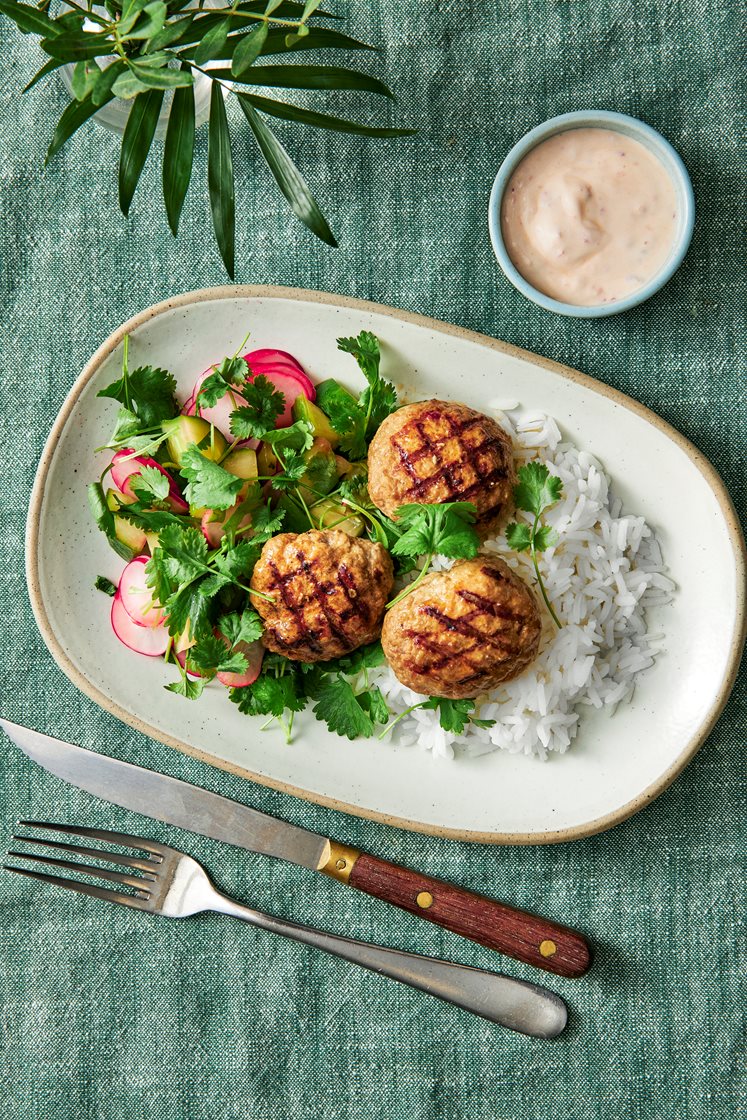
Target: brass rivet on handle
424, 900
340, 863
548, 948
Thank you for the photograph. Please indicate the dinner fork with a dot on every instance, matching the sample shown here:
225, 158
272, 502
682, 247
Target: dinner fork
165, 881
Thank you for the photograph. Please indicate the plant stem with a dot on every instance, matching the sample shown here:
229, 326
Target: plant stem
411, 586
394, 722
540, 581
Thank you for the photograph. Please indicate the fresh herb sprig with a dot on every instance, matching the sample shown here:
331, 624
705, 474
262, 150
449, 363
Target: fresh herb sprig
434, 530
536, 491
159, 48
453, 715
356, 419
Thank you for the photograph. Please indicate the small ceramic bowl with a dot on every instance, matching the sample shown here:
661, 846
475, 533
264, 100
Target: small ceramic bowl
636, 130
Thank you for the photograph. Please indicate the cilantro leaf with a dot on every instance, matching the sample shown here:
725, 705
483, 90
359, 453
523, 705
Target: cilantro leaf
365, 657
270, 696
266, 522
228, 377
519, 536
211, 655
187, 687
147, 393
296, 437
236, 560
101, 583
544, 537
244, 627
454, 715
446, 529
372, 701
149, 482
380, 398
366, 351
345, 415
208, 484
339, 707
264, 403
536, 488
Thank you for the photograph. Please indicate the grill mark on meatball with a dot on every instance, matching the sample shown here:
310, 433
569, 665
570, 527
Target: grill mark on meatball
487, 606
446, 471
464, 627
358, 605
308, 637
321, 593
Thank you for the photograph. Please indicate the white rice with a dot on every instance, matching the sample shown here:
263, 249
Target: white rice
601, 576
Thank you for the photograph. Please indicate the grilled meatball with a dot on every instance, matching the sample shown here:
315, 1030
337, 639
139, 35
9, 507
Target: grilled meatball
328, 593
462, 632
437, 451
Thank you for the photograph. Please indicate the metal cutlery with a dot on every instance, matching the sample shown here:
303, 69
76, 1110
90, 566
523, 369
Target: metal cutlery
164, 881
526, 937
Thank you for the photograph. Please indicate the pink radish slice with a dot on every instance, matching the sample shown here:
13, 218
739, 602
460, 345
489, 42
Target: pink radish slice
181, 657
188, 406
125, 465
137, 597
253, 652
212, 530
218, 414
151, 641
291, 384
262, 358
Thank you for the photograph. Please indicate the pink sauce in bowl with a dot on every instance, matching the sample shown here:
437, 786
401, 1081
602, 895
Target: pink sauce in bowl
589, 216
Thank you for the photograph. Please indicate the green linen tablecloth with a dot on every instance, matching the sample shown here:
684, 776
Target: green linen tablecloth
107, 1015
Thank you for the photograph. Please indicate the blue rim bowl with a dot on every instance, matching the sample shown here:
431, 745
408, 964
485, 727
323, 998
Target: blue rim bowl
636, 130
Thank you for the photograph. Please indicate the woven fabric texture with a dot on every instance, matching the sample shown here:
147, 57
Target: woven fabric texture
105, 1014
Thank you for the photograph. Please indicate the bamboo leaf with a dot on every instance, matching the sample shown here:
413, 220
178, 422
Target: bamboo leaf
288, 177
318, 38
161, 77
84, 78
131, 10
128, 85
75, 115
155, 16
309, 8
178, 154
136, 142
102, 90
213, 43
27, 19
287, 112
248, 49
171, 33
72, 48
309, 77
49, 66
220, 178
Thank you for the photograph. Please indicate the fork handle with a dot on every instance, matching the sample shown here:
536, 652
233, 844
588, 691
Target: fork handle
516, 1004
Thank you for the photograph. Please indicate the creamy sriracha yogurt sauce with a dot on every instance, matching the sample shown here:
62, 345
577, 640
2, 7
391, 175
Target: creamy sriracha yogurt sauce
589, 216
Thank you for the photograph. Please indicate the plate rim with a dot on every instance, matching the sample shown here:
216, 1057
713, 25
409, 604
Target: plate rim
274, 291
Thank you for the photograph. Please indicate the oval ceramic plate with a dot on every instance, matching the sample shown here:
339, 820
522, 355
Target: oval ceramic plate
616, 765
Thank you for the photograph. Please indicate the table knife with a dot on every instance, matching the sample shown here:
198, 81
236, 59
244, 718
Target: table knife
526, 937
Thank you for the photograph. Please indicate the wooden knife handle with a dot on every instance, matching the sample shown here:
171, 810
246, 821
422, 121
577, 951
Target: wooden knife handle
524, 936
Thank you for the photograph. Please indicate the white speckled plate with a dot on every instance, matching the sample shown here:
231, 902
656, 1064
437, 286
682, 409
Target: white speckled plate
616, 766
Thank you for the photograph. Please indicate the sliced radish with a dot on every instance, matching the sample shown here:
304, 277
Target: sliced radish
257, 359
212, 523
126, 463
218, 414
253, 652
291, 383
189, 405
137, 597
152, 641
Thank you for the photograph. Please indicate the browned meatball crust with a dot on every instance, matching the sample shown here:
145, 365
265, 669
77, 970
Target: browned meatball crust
462, 632
328, 593
441, 451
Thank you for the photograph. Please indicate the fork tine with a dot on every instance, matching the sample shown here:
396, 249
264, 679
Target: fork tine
87, 869
122, 838
82, 888
147, 865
